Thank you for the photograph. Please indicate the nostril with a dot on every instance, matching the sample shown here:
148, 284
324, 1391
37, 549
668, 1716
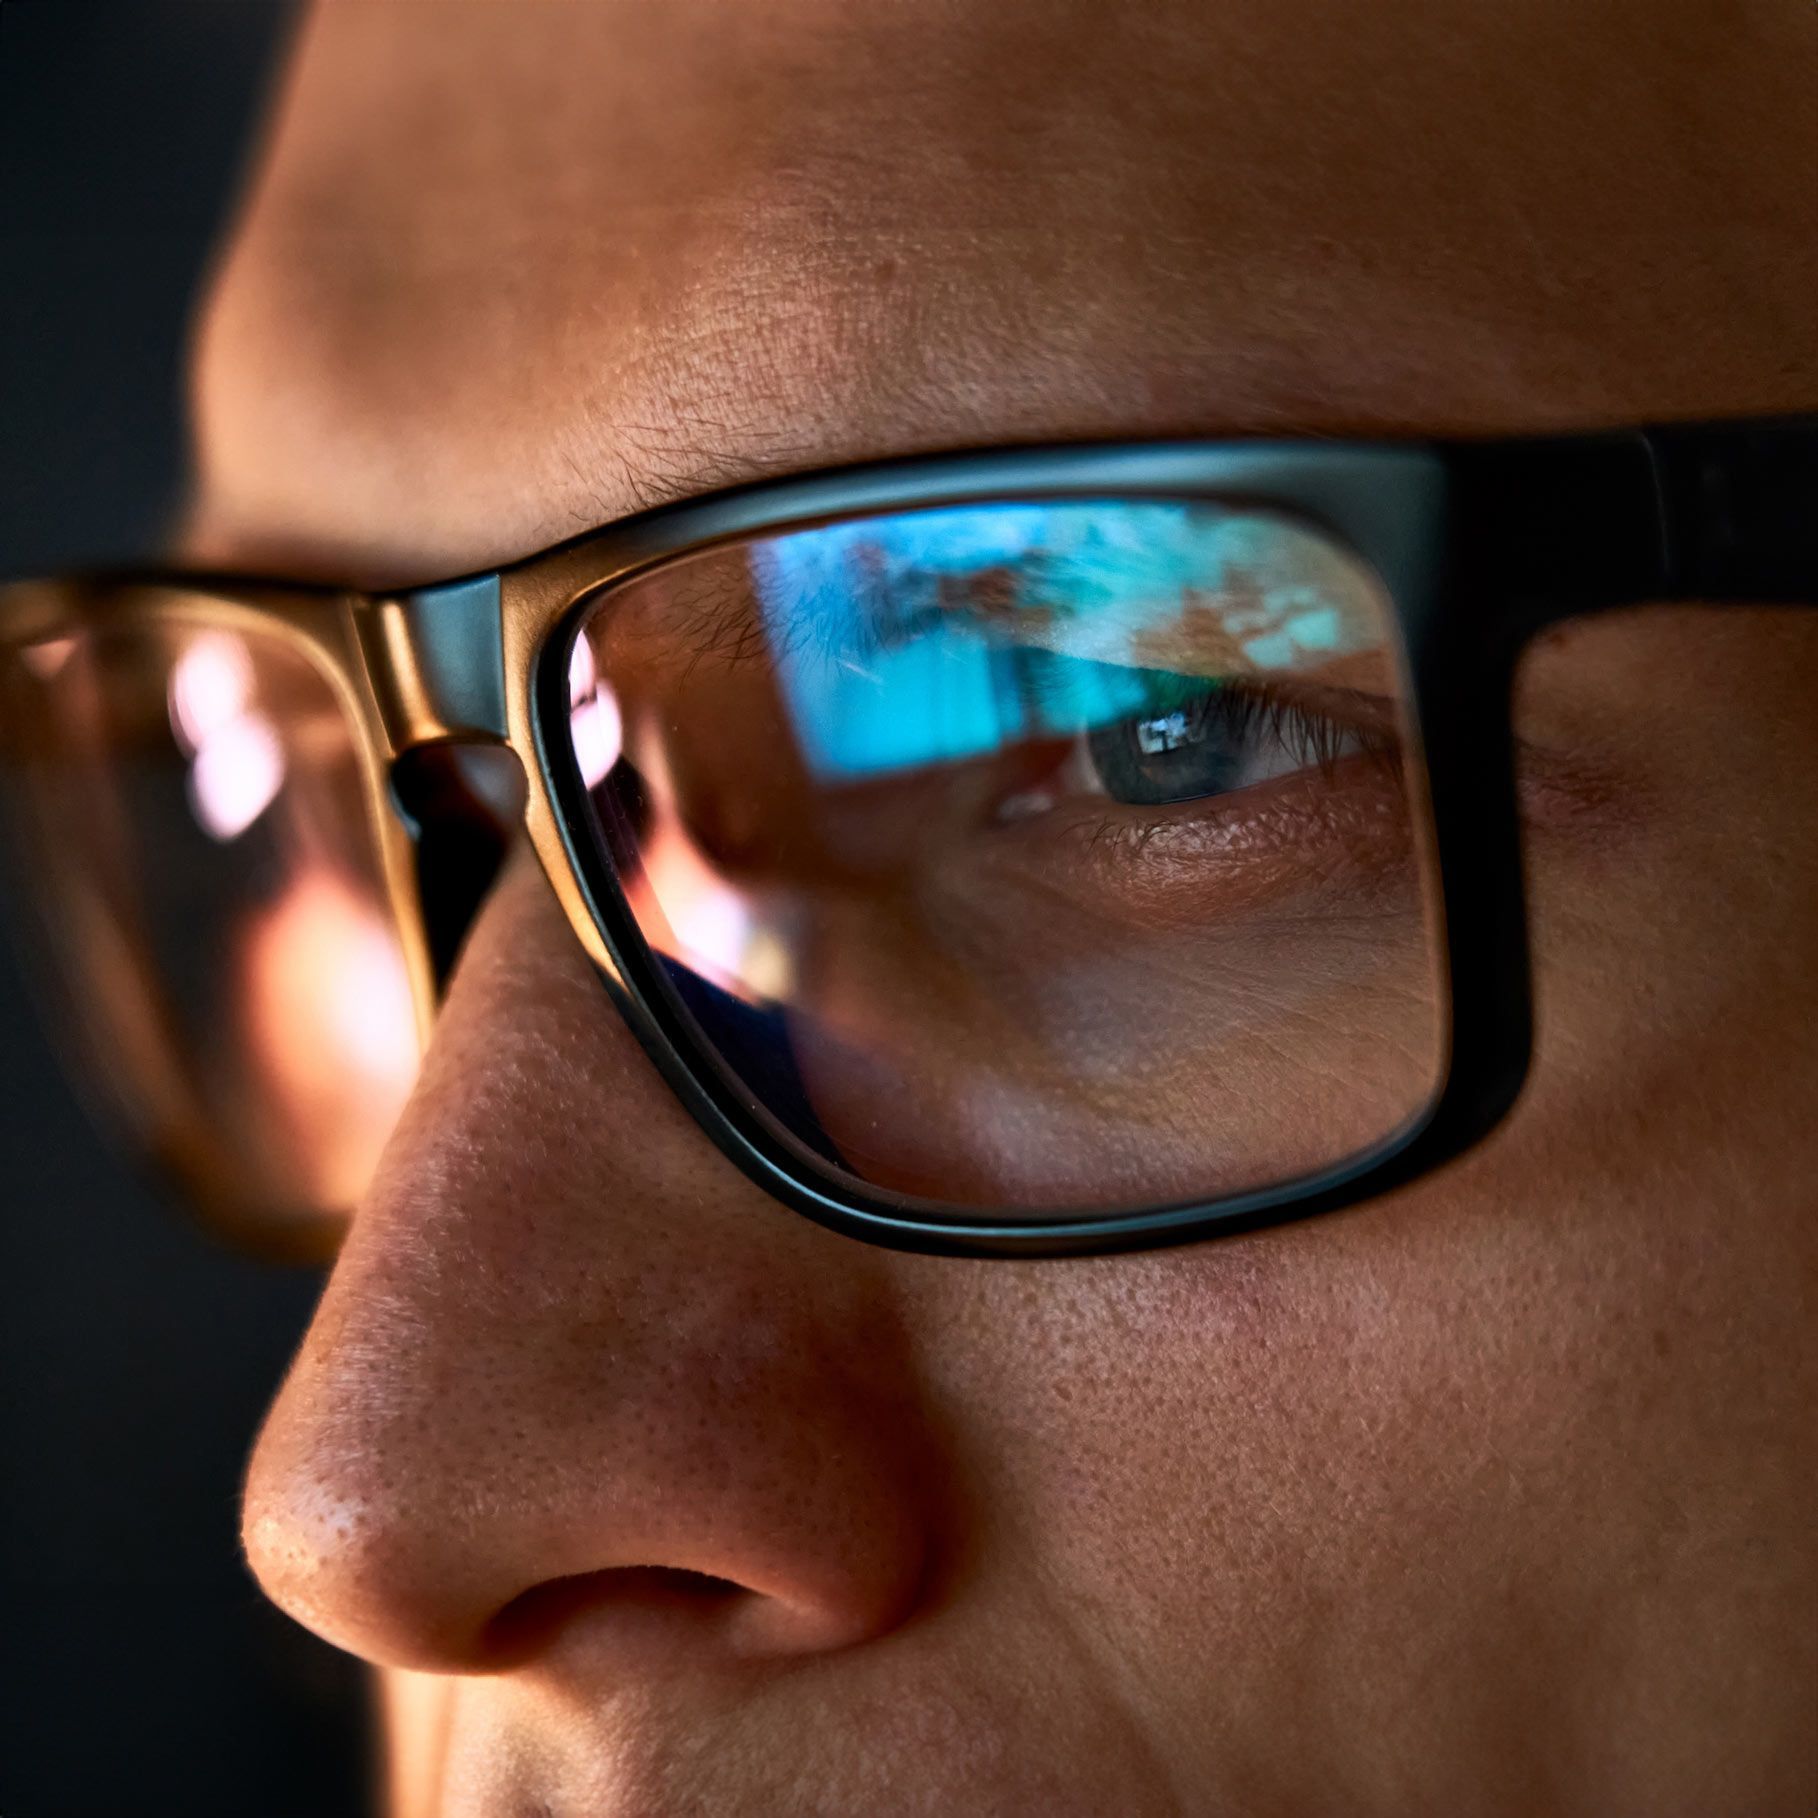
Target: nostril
647, 1602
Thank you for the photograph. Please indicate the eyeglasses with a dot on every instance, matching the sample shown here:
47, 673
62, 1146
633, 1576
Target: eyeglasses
1022, 853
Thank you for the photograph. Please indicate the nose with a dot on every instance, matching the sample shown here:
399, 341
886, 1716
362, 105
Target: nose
574, 1380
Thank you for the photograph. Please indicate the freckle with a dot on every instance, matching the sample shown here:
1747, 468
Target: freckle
1662, 1343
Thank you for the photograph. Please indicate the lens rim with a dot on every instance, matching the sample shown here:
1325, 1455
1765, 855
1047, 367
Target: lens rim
171, 1134
1383, 503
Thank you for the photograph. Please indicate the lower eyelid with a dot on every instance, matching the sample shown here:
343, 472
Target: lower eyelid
1301, 814
1251, 841
1556, 790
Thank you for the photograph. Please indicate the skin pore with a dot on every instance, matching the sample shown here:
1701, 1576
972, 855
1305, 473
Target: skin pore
650, 1498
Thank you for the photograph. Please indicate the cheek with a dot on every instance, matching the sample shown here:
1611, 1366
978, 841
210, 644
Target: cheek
1549, 1341
1325, 1451
1675, 924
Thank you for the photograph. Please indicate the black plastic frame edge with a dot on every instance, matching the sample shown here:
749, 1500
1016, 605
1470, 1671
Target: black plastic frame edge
1520, 534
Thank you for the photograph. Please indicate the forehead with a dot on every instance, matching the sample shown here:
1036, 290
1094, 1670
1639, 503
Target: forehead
516, 267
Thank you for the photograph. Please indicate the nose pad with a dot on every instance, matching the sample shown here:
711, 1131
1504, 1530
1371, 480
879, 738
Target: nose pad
462, 804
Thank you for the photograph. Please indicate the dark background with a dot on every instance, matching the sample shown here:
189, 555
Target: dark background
141, 1673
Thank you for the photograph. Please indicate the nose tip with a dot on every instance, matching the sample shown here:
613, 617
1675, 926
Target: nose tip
316, 1555
410, 1557
372, 1588
455, 1496
573, 1381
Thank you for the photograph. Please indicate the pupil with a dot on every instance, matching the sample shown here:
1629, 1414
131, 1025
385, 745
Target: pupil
1167, 757
1168, 733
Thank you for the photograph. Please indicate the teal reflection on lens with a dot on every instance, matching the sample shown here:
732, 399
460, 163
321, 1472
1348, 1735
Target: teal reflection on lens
931, 637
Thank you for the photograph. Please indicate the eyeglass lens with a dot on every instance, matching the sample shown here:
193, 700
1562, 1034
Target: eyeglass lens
1028, 857
191, 807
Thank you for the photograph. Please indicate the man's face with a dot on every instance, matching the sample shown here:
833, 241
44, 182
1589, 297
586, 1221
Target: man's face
648, 1497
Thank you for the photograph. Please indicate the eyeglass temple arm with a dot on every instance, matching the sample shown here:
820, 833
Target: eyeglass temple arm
1739, 506
1717, 512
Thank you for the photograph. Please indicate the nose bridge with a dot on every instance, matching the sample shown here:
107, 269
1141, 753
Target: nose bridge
436, 661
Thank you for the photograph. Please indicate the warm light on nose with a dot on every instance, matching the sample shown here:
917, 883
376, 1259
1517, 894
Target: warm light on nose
693, 914
46, 658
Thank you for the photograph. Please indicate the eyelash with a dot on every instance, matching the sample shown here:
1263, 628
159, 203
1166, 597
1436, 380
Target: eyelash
1315, 729
1237, 820
1300, 720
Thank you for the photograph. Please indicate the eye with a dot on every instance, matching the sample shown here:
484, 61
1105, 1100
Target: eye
1228, 737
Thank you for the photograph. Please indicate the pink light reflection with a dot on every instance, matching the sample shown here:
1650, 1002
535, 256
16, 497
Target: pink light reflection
210, 686
237, 760
598, 735
594, 722
235, 776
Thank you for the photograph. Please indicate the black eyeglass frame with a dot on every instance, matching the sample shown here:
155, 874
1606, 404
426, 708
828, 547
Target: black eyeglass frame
1480, 545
